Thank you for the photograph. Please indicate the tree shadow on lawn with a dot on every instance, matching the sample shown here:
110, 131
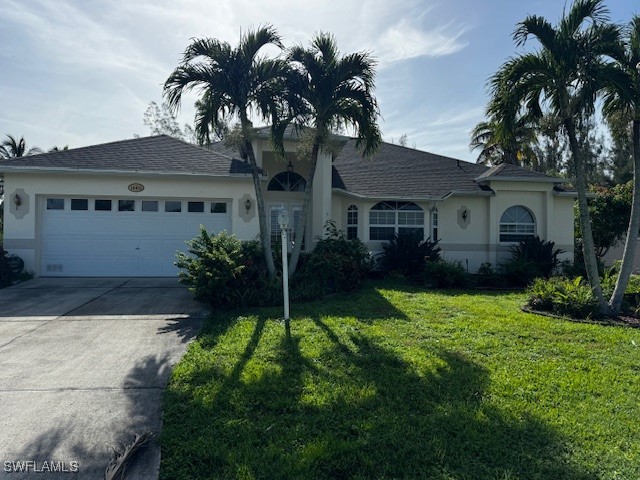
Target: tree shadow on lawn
354, 410
367, 305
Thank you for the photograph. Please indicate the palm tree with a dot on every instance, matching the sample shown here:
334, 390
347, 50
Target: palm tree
489, 137
565, 75
623, 99
334, 91
507, 136
234, 83
14, 148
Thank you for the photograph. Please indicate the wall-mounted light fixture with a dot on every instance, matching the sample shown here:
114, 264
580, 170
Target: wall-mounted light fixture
17, 200
247, 205
290, 167
465, 214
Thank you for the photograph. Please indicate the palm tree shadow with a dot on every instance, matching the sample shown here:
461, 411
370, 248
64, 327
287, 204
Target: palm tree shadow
378, 307
385, 419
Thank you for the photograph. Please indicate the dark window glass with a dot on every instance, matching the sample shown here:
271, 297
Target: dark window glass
381, 233
173, 206
352, 233
287, 182
149, 205
126, 205
195, 207
55, 203
79, 204
218, 207
102, 205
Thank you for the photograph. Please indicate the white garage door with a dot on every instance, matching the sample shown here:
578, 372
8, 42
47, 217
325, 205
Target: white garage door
121, 236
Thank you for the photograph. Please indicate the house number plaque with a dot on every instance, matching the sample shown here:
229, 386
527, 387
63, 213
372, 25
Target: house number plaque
136, 187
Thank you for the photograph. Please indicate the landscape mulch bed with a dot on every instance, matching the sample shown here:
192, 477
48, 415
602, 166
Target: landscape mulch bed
621, 321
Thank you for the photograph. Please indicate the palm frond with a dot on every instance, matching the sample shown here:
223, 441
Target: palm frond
580, 11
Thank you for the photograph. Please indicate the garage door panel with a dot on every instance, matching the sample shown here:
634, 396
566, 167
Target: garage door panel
128, 226
114, 243
104, 225
173, 226
55, 245
170, 247
127, 246
55, 224
150, 226
80, 224
151, 247
81, 245
126, 268
104, 246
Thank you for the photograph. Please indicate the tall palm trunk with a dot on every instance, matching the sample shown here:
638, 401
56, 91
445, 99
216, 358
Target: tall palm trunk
265, 240
590, 261
634, 225
299, 234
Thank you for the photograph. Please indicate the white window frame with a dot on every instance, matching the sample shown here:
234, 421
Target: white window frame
295, 211
352, 221
399, 216
516, 227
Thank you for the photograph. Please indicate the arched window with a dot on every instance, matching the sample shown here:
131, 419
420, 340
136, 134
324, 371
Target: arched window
387, 218
352, 222
287, 182
516, 224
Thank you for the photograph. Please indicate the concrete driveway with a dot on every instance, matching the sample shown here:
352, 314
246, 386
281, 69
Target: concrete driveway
83, 366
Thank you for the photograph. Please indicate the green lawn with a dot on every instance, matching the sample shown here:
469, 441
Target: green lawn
394, 382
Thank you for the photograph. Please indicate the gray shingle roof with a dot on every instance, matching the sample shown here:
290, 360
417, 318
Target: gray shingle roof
507, 171
396, 171
158, 154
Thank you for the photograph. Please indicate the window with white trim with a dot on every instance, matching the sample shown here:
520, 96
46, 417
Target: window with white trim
295, 213
388, 218
517, 224
352, 222
287, 182
434, 225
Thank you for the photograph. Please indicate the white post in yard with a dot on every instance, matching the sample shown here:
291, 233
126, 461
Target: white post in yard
283, 221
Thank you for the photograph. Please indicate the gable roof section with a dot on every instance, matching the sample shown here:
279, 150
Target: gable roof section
508, 172
396, 171
158, 154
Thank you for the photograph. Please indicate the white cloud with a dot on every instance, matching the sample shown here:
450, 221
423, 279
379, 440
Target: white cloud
405, 40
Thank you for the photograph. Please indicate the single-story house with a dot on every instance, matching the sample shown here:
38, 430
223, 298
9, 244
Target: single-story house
125, 208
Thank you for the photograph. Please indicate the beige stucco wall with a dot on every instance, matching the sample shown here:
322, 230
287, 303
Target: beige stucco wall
476, 240
21, 232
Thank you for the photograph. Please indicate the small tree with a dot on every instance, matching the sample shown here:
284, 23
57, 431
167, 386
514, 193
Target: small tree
609, 212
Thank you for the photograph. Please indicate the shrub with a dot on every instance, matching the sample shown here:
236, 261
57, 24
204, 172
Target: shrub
531, 258
518, 272
407, 254
487, 276
335, 265
570, 297
224, 272
541, 252
577, 269
6, 275
445, 274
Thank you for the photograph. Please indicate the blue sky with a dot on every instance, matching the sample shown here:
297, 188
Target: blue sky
78, 72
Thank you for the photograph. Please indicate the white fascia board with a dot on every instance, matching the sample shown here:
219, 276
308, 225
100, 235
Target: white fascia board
387, 197
455, 193
521, 179
123, 173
